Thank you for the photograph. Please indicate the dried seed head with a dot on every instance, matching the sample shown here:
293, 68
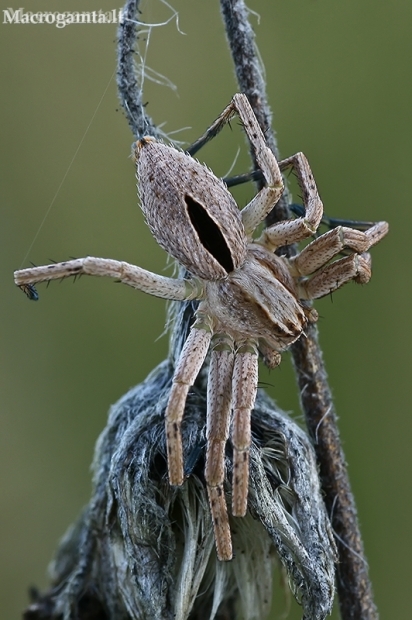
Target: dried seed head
142, 549
190, 212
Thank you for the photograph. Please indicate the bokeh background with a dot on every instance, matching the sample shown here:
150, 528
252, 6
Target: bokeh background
339, 83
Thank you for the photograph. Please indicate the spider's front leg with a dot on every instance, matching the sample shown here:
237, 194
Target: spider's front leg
245, 381
238, 372
188, 367
219, 393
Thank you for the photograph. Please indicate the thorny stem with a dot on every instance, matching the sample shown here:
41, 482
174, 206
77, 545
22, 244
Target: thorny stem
354, 587
128, 85
353, 584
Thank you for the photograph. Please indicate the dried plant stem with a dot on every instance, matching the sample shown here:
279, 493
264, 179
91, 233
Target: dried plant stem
354, 587
353, 584
129, 88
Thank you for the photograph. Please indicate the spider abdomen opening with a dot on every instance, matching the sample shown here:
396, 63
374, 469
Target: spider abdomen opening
210, 235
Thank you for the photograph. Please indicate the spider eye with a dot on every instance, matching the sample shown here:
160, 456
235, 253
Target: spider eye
209, 233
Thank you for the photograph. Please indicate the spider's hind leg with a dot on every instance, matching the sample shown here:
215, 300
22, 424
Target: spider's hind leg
255, 212
295, 230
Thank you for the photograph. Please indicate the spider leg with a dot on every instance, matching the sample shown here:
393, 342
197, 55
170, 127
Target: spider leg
217, 125
146, 281
271, 358
219, 392
265, 200
297, 209
294, 230
331, 243
331, 277
188, 367
245, 379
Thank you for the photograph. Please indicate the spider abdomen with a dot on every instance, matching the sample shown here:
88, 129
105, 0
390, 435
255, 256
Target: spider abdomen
191, 213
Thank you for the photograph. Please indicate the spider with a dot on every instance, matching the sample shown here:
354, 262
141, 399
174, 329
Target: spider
251, 300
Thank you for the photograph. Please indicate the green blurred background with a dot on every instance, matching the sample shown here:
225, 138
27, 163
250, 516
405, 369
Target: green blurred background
339, 84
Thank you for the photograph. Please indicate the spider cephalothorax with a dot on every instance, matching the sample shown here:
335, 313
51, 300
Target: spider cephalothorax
251, 300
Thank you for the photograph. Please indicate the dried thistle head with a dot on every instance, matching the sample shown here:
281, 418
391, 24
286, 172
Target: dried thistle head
142, 549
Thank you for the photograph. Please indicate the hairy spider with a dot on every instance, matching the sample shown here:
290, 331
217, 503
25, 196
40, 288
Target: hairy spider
251, 300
